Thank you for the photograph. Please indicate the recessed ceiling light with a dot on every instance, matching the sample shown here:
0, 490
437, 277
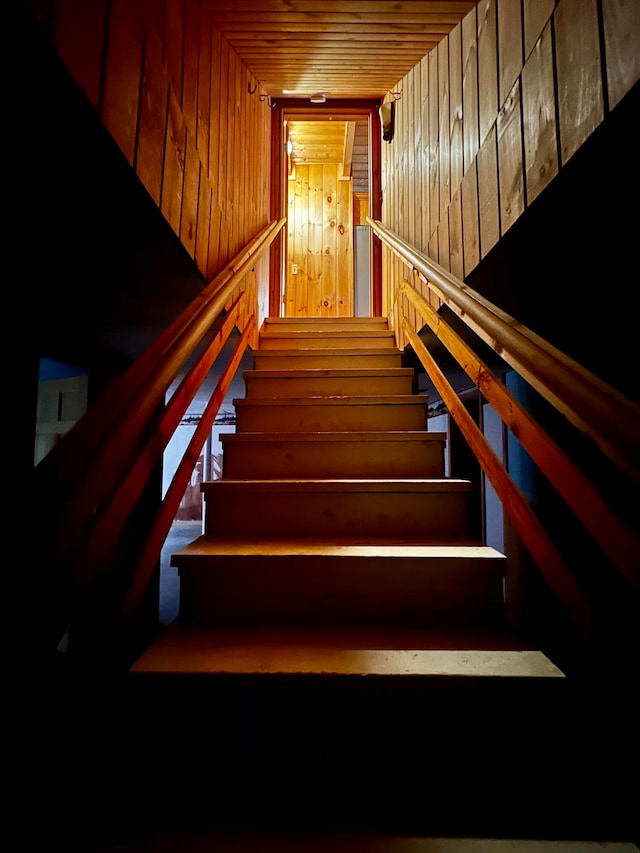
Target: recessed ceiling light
318, 98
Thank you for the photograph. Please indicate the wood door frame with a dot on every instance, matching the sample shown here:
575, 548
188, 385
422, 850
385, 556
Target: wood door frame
301, 109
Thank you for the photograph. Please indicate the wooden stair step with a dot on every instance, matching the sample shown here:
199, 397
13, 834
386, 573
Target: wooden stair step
330, 338
326, 358
355, 507
228, 581
333, 323
333, 454
332, 414
328, 382
474, 653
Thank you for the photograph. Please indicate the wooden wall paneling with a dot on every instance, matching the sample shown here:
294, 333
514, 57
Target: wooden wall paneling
277, 189
153, 118
456, 249
79, 37
487, 66
123, 74
190, 70
536, 15
399, 144
417, 160
289, 284
621, 19
444, 168
345, 249
539, 119
488, 201
434, 253
455, 109
470, 117
209, 101
578, 64
388, 217
421, 286
314, 260
174, 43
215, 258
301, 242
231, 149
173, 174
329, 242
443, 242
223, 118
424, 152
510, 160
242, 197
410, 163
154, 16
434, 179
189, 217
470, 219
509, 46
203, 223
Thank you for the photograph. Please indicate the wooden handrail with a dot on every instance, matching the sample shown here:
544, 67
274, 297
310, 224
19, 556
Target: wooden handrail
91, 481
109, 435
175, 492
609, 418
621, 544
147, 379
554, 376
539, 544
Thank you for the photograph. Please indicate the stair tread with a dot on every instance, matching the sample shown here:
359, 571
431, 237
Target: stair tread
339, 372
348, 400
305, 485
207, 545
346, 651
324, 353
383, 435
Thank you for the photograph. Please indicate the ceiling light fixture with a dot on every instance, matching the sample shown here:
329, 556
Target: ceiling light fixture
318, 98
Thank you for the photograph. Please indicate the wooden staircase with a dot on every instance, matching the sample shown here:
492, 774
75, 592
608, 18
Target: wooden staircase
336, 602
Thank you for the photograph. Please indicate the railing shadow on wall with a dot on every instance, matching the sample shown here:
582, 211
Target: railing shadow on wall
608, 419
93, 482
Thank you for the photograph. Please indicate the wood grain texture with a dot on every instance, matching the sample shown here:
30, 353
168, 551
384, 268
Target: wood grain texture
79, 35
456, 153
536, 14
470, 120
510, 161
488, 194
538, 111
122, 76
621, 34
578, 63
510, 41
153, 119
487, 66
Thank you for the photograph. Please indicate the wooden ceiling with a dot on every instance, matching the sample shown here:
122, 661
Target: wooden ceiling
352, 49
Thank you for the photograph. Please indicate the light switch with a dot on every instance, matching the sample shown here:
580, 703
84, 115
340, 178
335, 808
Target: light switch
294, 269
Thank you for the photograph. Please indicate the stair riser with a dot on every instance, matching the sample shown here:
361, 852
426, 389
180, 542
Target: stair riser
324, 360
365, 341
327, 386
279, 515
313, 324
340, 417
295, 588
274, 459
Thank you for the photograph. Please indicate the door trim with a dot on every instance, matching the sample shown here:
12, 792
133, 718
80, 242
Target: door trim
301, 110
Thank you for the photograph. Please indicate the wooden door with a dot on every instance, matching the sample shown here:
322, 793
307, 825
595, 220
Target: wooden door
319, 276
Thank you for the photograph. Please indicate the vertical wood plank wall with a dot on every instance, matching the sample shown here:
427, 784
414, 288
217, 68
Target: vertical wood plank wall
320, 243
487, 120
176, 100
